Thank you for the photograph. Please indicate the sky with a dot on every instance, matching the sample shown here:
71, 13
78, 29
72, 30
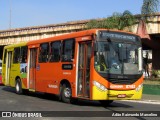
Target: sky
27, 13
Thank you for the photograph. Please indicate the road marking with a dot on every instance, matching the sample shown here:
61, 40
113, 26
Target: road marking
144, 101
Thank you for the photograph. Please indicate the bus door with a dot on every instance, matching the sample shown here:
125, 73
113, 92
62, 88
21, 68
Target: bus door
84, 59
8, 67
32, 68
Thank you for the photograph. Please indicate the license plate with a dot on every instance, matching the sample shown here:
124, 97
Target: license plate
121, 95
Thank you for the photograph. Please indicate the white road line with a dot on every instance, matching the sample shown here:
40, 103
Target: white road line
144, 101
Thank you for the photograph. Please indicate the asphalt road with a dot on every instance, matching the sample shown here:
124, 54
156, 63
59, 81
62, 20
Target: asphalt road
10, 101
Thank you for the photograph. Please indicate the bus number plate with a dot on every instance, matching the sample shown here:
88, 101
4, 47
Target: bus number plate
121, 95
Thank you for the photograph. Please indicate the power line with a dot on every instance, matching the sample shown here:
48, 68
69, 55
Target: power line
10, 14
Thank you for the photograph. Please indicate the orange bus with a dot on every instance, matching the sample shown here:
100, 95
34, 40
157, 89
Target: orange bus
96, 64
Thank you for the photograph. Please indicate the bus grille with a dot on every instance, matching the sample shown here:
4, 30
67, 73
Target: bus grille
122, 81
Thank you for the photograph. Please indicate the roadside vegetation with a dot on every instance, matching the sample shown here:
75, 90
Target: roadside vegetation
152, 81
120, 21
116, 21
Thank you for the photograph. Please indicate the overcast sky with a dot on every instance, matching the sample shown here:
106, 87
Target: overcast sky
27, 13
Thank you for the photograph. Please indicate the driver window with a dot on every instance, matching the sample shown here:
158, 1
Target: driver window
100, 61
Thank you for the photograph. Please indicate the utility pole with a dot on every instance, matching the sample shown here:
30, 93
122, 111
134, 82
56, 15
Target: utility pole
10, 14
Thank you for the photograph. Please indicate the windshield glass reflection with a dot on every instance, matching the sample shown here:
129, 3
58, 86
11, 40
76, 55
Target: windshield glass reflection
116, 58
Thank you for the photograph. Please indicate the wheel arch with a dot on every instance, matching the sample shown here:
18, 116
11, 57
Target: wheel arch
63, 81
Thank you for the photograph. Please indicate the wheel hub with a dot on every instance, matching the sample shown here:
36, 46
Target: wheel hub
17, 87
67, 92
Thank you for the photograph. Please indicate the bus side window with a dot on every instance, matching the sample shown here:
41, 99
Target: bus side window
16, 56
44, 53
24, 54
55, 51
68, 50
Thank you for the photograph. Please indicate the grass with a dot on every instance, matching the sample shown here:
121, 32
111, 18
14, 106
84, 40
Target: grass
151, 86
152, 81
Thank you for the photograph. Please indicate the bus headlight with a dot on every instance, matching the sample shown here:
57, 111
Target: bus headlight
139, 87
99, 86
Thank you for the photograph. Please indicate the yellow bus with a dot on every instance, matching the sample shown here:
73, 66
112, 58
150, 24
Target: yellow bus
14, 64
96, 64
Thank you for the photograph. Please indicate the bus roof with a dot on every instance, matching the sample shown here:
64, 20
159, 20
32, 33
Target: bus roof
65, 36
71, 35
15, 45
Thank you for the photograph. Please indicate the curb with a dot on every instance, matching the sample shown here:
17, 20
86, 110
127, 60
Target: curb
144, 101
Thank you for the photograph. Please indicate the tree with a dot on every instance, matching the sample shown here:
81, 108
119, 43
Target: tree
149, 7
121, 20
116, 21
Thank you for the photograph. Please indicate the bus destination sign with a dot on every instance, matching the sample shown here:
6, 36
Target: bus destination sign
117, 35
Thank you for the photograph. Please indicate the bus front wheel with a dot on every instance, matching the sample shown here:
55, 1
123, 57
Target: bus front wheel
66, 93
18, 86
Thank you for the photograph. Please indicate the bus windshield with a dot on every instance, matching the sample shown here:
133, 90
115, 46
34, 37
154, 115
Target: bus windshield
117, 57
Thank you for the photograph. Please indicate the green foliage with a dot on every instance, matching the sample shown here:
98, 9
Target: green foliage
116, 21
95, 24
121, 20
149, 6
155, 73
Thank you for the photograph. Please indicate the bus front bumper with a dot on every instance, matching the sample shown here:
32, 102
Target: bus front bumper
98, 94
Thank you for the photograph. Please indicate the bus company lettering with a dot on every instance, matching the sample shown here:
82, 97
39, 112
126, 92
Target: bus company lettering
116, 86
122, 86
66, 73
52, 86
131, 86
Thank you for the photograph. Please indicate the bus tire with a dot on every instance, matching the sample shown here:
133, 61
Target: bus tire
105, 103
18, 86
66, 93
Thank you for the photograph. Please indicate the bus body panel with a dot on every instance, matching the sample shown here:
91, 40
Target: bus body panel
54, 75
109, 85
113, 90
116, 94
